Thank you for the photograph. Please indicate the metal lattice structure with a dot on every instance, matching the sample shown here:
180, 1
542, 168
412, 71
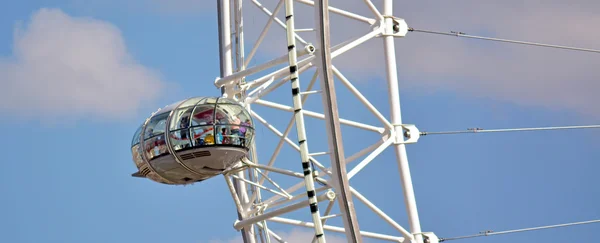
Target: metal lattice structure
320, 183
250, 181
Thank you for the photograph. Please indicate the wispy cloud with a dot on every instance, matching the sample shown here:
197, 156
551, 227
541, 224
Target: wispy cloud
73, 67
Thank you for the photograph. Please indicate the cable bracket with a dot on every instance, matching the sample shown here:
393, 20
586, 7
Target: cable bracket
397, 27
406, 133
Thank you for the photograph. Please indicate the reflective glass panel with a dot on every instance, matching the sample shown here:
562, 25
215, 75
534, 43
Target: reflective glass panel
223, 135
203, 115
155, 146
190, 102
181, 118
181, 139
236, 114
156, 125
136, 136
246, 137
233, 135
203, 136
170, 107
222, 116
207, 100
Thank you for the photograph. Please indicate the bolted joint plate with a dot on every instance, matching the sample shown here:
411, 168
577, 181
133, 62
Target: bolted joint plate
407, 133
397, 27
428, 237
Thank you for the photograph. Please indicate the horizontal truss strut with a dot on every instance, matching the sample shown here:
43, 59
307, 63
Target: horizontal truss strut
252, 220
313, 114
337, 229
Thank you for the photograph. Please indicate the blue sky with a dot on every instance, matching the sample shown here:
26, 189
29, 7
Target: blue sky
67, 163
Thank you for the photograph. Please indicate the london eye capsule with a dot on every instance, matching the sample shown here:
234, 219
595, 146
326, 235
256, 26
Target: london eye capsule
192, 140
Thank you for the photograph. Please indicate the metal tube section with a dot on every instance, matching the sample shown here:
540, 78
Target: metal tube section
249, 221
271, 88
361, 97
264, 227
272, 182
373, 9
263, 34
230, 78
334, 131
326, 215
348, 160
369, 158
278, 133
257, 197
239, 35
274, 204
276, 170
337, 229
225, 46
342, 12
308, 175
261, 186
307, 62
396, 119
284, 26
366, 150
313, 114
234, 195
226, 68
289, 127
381, 214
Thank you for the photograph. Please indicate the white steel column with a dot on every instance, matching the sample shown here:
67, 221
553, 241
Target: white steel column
332, 122
225, 44
308, 174
226, 59
394, 96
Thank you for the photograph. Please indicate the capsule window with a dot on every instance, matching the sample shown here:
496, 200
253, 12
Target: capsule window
203, 136
136, 136
190, 102
181, 139
203, 115
207, 100
156, 126
181, 119
222, 116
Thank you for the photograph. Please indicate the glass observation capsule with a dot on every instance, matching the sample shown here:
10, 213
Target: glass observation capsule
192, 140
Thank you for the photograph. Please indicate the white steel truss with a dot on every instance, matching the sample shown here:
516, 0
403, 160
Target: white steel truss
249, 84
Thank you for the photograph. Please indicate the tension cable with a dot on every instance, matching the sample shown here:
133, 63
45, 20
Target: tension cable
490, 233
462, 34
481, 130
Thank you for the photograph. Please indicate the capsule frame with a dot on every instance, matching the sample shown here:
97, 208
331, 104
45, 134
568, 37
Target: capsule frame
192, 140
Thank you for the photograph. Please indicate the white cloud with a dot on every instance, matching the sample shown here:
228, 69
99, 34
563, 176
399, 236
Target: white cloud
295, 236
73, 67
